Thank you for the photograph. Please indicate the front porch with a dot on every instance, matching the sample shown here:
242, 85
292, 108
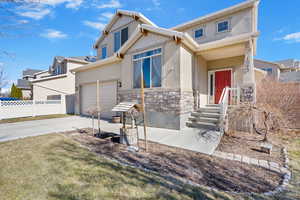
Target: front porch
221, 77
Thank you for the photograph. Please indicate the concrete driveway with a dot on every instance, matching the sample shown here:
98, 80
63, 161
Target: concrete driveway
202, 141
11, 131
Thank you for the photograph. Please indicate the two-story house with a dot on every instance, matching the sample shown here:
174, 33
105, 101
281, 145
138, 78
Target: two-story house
24, 83
185, 67
58, 82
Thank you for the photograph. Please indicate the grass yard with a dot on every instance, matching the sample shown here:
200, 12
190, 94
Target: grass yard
23, 119
56, 167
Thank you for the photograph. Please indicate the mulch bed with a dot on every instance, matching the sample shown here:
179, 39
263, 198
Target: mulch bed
244, 143
185, 165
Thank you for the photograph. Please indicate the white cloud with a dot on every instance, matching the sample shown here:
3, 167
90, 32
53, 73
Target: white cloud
94, 24
38, 9
69, 3
101, 22
53, 34
111, 4
108, 15
36, 14
292, 37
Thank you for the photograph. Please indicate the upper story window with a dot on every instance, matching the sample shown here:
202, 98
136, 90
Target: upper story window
223, 26
60, 69
103, 52
199, 33
120, 37
149, 63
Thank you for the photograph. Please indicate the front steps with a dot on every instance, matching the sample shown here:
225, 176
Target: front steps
205, 118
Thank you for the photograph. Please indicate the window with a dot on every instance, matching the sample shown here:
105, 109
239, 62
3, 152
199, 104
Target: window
223, 26
54, 97
148, 63
120, 38
124, 35
268, 70
199, 33
117, 39
103, 52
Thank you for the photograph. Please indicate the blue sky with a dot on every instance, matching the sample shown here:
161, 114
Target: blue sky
70, 27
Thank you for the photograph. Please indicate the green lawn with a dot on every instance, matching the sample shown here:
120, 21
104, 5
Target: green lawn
23, 119
55, 167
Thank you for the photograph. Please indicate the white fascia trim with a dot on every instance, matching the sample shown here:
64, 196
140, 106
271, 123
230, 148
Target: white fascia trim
135, 36
99, 63
226, 11
116, 17
227, 41
138, 33
49, 78
40, 72
77, 60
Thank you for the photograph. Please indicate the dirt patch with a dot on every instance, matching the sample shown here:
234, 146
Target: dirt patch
185, 165
244, 143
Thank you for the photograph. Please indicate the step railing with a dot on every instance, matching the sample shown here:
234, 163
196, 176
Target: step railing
229, 96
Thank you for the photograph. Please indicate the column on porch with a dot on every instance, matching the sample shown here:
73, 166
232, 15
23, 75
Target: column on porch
248, 89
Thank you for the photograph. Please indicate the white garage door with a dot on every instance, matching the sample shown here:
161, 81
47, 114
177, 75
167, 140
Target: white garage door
108, 98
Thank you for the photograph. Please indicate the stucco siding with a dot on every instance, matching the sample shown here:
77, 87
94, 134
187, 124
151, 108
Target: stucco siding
186, 64
108, 41
170, 61
103, 73
240, 22
259, 75
200, 80
235, 63
260, 64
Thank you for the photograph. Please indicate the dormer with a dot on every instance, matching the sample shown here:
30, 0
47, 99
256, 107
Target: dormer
118, 31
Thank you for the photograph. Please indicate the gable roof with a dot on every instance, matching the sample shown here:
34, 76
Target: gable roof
218, 14
138, 33
279, 65
135, 15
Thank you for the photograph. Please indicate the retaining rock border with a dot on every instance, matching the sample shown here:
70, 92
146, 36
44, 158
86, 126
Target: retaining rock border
272, 166
229, 156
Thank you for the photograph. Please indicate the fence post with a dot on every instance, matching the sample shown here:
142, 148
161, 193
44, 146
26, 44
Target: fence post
33, 108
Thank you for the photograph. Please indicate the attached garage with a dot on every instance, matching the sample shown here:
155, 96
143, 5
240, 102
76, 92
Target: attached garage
107, 97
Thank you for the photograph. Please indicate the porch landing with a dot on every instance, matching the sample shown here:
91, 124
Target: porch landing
194, 139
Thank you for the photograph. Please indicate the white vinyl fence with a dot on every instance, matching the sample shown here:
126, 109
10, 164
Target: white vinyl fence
16, 109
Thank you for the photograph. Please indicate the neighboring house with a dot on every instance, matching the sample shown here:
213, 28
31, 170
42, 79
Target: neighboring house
184, 67
290, 71
293, 76
272, 68
24, 83
58, 83
289, 65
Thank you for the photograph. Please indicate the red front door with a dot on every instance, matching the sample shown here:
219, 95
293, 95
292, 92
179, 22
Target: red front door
222, 79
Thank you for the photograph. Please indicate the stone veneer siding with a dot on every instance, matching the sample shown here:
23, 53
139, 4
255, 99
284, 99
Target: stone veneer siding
165, 108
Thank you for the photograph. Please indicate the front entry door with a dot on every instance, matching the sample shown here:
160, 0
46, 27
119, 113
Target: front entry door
222, 79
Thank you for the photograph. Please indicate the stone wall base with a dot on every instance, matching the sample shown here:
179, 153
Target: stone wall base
165, 108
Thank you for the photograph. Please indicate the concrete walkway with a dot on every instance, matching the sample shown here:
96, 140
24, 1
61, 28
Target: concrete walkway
189, 138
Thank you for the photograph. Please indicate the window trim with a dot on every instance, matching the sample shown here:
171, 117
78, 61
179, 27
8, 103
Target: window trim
120, 32
223, 20
103, 46
203, 27
143, 51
